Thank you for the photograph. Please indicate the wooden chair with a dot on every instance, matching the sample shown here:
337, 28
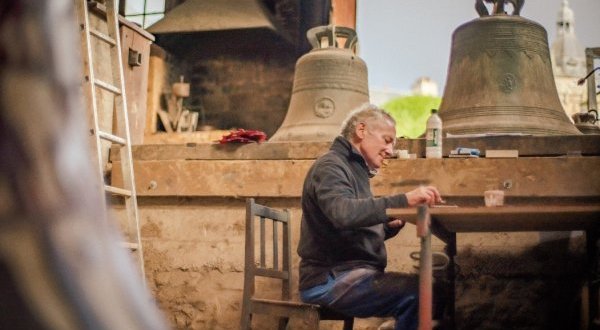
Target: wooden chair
278, 267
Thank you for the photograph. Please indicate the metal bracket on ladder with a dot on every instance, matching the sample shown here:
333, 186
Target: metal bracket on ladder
93, 86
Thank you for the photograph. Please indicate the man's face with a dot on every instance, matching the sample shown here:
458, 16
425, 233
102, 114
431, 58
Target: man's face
377, 138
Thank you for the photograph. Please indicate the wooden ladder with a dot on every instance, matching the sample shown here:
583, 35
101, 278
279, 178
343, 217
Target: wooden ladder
100, 89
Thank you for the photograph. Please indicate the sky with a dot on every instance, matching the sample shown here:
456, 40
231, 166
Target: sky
402, 40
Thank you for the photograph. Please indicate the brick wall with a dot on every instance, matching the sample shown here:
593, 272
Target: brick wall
250, 90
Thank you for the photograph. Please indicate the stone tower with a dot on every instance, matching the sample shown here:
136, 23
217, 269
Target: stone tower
568, 62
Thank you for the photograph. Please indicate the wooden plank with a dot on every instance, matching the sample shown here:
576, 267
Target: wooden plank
185, 138
219, 178
501, 153
536, 177
527, 145
344, 13
156, 81
523, 177
136, 81
307, 312
233, 151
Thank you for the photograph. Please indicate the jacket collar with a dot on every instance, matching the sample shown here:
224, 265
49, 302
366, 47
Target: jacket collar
343, 146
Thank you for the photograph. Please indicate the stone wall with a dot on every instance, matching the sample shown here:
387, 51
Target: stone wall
193, 231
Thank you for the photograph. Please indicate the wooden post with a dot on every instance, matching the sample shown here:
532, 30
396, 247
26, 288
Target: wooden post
425, 269
156, 84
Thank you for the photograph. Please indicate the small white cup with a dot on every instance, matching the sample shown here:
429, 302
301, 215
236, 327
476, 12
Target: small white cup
402, 154
493, 198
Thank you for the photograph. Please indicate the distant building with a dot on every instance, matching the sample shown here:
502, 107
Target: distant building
380, 97
424, 86
568, 62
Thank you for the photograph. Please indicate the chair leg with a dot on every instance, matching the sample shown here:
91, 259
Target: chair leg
246, 321
312, 320
283, 323
348, 324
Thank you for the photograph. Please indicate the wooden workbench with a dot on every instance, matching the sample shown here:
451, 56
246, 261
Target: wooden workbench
446, 222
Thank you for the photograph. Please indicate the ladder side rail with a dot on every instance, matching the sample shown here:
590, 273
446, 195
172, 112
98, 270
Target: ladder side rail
89, 90
123, 131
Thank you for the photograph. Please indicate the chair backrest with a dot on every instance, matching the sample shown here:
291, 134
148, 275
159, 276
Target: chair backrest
274, 252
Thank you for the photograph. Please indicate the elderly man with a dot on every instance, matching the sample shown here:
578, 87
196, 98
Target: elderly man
343, 229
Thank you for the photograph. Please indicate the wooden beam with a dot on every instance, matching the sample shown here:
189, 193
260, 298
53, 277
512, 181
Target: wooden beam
524, 177
528, 146
537, 177
233, 151
156, 81
343, 13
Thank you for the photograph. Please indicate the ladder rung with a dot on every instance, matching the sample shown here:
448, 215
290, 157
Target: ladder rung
118, 191
112, 138
107, 86
104, 37
130, 245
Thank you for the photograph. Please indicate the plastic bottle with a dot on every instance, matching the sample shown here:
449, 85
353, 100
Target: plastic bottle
433, 136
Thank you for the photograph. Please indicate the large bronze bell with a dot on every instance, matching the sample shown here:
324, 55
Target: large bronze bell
500, 77
329, 82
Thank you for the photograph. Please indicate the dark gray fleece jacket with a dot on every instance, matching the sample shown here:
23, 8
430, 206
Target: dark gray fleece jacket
343, 225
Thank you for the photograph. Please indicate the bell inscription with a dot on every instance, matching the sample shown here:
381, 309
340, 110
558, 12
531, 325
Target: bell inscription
508, 83
324, 107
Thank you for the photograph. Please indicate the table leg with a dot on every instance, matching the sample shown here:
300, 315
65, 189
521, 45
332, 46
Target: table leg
425, 269
451, 276
592, 278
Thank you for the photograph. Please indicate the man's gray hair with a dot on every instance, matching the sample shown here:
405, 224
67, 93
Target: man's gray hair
363, 114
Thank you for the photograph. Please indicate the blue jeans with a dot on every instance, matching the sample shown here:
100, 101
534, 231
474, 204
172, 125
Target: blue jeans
364, 292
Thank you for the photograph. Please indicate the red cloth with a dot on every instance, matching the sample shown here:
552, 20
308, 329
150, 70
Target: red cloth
244, 136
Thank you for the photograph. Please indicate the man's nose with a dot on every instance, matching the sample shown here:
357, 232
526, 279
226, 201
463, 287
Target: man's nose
389, 150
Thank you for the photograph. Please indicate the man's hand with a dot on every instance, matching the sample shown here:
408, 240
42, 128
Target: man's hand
424, 195
396, 223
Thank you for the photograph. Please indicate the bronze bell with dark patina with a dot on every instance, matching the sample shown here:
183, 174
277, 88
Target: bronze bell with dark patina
329, 82
500, 78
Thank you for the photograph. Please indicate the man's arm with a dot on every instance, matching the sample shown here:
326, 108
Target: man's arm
336, 197
393, 227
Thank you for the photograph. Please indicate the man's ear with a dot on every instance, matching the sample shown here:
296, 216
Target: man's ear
360, 130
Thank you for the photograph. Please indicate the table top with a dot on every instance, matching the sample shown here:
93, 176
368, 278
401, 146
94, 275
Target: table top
508, 218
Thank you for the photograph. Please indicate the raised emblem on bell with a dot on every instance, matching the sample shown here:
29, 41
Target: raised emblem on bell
500, 77
329, 82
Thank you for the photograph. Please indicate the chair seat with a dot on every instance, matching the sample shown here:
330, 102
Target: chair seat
306, 311
283, 307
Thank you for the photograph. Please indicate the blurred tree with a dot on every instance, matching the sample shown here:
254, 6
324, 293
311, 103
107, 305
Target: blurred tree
411, 113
